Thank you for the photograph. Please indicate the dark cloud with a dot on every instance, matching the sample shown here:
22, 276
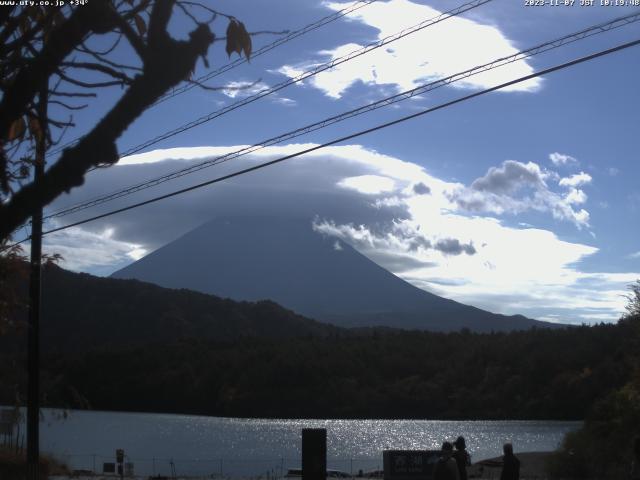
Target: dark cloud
508, 178
419, 242
452, 246
421, 189
301, 188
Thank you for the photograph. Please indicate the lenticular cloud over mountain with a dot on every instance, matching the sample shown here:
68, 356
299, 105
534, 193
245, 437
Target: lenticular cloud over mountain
285, 260
472, 245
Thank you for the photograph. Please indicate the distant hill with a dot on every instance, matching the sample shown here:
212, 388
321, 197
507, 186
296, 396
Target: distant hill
285, 260
80, 312
128, 345
392, 374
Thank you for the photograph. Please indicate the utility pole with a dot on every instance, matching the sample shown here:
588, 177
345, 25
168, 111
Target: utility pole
33, 331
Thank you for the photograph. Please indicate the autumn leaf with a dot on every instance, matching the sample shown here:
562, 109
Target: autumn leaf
34, 128
17, 129
245, 40
24, 25
58, 18
238, 39
232, 38
23, 171
140, 25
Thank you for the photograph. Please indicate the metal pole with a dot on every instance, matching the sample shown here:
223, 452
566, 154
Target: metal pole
33, 340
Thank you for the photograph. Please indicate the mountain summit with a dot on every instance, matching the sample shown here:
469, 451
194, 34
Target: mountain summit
285, 260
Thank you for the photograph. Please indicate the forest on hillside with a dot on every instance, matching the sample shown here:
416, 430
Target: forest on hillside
536, 374
115, 344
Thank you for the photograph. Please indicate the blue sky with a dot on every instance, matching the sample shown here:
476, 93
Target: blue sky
537, 184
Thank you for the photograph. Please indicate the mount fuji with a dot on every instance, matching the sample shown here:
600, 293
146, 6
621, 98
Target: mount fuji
285, 260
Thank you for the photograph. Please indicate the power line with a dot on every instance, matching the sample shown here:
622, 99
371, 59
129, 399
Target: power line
307, 74
318, 69
242, 60
553, 44
353, 135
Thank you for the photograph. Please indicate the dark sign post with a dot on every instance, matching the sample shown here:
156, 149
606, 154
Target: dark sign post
120, 461
409, 464
314, 454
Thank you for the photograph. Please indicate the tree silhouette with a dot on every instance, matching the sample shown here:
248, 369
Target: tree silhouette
53, 53
633, 300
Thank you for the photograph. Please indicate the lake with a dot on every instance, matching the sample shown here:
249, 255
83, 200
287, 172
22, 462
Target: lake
250, 447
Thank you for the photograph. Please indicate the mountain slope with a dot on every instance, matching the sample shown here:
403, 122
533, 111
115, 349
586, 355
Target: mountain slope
81, 312
284, 260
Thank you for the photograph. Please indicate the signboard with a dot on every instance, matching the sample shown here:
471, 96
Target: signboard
409, 464
109, 467
7, 415
6, 428
7, 421
314, 454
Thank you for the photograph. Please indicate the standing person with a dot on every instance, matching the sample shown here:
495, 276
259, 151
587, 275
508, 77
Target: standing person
446, 468
510, 464
635, 462
462, 457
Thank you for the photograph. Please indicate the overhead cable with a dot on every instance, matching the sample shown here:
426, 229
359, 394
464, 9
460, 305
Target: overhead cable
242, 60
349, 137
546, 46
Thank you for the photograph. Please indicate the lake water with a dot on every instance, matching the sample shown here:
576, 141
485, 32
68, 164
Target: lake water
251, 447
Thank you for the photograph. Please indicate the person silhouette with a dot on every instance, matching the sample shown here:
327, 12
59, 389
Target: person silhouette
446, 468
510, 464
462, 457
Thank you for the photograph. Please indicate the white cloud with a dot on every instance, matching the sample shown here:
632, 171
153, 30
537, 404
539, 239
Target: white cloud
181, 153
634, 255
243, 89
370, 200
613, 171
559, 159
442, 49
576, 180
240, 89
369, 184
516, 187
575, 196
97, 251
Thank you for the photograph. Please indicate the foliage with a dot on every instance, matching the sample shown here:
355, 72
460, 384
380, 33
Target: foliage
182, 351
633, 300
388, 375
80, 311
12, 268
53, 57
602, 448
13, 465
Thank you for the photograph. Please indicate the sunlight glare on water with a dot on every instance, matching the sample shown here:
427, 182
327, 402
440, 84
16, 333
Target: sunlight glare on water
235, 447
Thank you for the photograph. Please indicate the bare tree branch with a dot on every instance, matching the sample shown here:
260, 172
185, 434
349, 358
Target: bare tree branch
99, 68
100, 57
67, 106
62, 41
98, 146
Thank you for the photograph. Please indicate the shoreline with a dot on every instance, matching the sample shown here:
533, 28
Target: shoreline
532, 467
